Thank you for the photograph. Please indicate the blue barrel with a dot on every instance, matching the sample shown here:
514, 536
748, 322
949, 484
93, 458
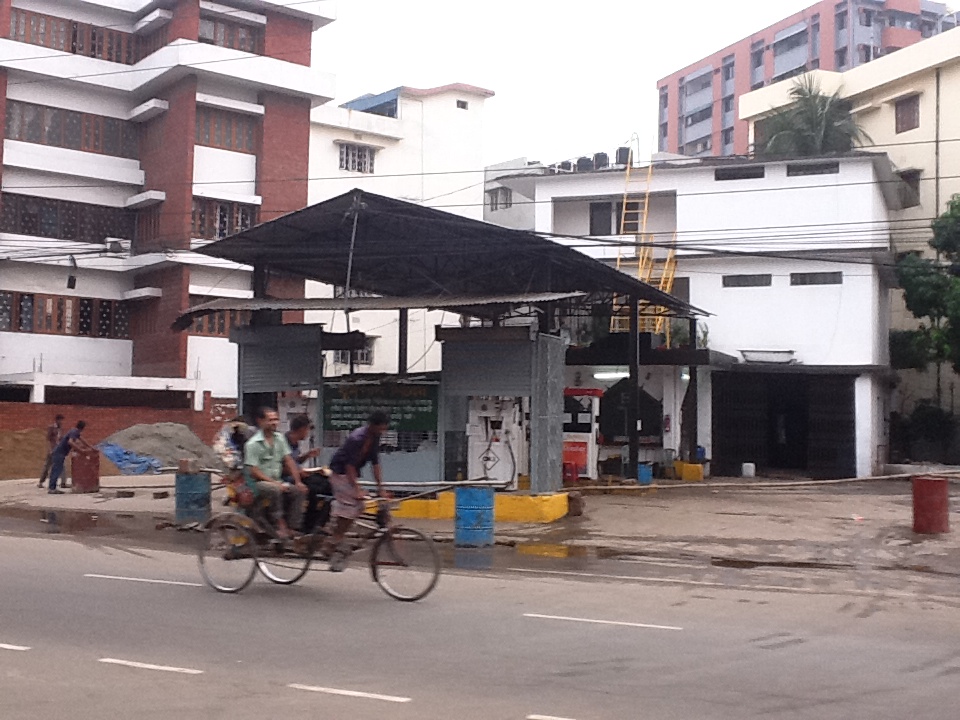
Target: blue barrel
473, 526
644, 473
192, 498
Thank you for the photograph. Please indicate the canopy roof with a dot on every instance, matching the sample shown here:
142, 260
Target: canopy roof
406, 250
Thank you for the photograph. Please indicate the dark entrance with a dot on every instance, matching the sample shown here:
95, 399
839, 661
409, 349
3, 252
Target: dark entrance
784, 421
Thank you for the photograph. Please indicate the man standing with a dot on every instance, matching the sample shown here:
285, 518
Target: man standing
318, 486
265, 458
69, 442
361, 446
54, 433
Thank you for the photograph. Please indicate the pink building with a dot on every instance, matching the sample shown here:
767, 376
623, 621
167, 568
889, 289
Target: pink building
698, 104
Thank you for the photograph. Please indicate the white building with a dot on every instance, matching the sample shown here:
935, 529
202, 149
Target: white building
419, 145
791, 260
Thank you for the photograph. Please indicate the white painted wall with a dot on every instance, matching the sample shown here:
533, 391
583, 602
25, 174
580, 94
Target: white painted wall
29, 352
72, 96
213, 363
823, 324
224, 174
218, 282
422, 155
870, 429
47, 159
65, 187
36, 278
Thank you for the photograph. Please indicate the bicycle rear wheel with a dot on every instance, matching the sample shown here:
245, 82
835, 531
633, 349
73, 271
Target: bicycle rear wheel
406, 564
285, 567
227, 556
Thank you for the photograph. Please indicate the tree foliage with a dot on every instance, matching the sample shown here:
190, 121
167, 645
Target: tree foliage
815, 123
932, 294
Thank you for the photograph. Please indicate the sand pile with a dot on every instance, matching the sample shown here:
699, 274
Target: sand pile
23, 452
167, 442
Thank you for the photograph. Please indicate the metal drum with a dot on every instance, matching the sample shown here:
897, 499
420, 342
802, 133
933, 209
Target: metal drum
192, 498
474, 517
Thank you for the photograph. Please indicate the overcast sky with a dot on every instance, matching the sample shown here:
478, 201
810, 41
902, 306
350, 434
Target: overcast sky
571, 78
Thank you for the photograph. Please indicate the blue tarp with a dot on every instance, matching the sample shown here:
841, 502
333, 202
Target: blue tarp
129, 462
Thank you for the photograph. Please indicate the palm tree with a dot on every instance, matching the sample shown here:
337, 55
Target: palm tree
813, 124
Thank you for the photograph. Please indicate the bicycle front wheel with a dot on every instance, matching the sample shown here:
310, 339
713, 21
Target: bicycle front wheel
285, 567
227, 556
406, 564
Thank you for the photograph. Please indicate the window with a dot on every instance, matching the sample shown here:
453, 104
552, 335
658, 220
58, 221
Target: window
462, 105
703, 82
816, 278
357, 158
218, 324
360, 357
664, 98
753, 172
248, 38
72, 130
62, 220
629, 222
727, 72
840, 58
728, 104
791, 43
601, 216
54, 315
866, 17
907, 113
699, 116
728, 136
841, 20
226, 130
910, 188
756, 59
217, 219
501, 198
743, 281
801, 169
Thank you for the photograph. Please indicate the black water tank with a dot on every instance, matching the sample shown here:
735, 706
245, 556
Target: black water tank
601, 160
623, 155
566, 165
584, 164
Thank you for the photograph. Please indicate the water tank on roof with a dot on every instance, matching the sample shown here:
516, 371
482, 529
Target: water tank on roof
584, 164
623, 155
601, 160
566, 166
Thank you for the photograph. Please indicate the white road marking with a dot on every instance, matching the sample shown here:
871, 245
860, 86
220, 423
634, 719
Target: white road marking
148, 666
637, 578
17, 648
546, 717
660, 563
602, 622
142, 580
349, 693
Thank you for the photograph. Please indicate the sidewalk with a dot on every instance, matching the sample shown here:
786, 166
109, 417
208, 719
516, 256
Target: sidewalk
859, 525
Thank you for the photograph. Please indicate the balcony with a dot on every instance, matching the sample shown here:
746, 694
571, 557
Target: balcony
698, 100
899, 37
79, 38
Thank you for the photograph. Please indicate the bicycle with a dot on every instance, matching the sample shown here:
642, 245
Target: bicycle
404, 562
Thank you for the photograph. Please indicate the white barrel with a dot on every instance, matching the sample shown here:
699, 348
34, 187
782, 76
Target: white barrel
748, 470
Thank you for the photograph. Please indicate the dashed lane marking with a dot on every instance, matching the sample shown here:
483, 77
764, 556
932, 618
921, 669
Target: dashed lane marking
350, 693
16, 648
148, 666
646, 626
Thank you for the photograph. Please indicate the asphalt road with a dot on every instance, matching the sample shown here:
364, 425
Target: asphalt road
92, 630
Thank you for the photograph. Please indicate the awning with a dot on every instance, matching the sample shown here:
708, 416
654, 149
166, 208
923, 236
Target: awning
367, 303
401, 249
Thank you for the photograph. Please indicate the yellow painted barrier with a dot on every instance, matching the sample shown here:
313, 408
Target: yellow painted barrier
506, 508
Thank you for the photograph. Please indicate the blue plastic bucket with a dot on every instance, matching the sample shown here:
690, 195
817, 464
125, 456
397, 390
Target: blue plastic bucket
644, 473
192, 493
473, 526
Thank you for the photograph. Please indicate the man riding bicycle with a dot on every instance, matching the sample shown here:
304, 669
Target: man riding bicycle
361, 446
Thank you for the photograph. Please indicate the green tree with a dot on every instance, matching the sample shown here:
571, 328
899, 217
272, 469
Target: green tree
932, 294
815, 123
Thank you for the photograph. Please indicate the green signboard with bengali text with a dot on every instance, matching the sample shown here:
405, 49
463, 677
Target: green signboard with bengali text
412, 406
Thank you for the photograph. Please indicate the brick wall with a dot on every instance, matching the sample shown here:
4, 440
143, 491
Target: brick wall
282, 163
159, 351
287, 38
102, 422
4, 22
185, 23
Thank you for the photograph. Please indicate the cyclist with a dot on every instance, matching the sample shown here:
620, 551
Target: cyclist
361, 446
265, 456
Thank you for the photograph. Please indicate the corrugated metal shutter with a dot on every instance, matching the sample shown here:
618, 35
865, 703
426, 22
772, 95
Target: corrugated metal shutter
833, 427
739, 422
487, 368
279, 358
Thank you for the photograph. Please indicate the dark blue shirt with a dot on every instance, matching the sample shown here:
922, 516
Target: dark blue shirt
359, 448
63, 447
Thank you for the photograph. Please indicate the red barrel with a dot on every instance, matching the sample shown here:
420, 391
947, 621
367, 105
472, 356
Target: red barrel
86, 472
931, 505
571, 474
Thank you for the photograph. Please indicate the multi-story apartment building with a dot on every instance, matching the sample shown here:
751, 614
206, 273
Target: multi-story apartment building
755, 242
697, 112
135, 131
904, 103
